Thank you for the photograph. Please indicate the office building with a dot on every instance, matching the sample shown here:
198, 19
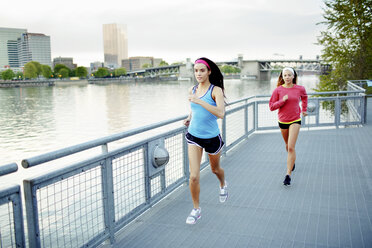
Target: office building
136, 63
69, 62
34, 47
115, 44
8, 46
95, 65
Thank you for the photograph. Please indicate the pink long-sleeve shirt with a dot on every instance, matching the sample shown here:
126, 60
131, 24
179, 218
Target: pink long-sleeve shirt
289, 110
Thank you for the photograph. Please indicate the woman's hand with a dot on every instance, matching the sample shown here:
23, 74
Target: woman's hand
285, 98
304, 113
186, 122
193, 98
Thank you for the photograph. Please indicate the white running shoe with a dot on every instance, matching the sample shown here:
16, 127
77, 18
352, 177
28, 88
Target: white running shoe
223, 193
193, 216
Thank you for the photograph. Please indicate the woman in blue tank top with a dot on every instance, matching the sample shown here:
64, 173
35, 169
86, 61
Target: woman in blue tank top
207, 102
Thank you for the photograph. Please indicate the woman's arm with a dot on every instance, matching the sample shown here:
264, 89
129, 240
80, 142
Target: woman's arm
304, 101
217, 94
186, 121
275, 102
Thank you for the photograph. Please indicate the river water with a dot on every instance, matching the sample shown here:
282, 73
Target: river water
35, 120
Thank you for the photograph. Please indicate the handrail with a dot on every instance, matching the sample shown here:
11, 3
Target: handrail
308, 93
355, 85
8, 169
46, 157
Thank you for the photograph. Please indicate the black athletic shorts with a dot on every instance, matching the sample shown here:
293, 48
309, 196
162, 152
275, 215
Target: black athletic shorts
212, 146
286, 125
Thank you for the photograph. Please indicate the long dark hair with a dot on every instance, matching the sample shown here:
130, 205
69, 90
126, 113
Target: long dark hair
281, 80
216, 77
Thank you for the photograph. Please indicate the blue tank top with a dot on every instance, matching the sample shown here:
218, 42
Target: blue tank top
203, 124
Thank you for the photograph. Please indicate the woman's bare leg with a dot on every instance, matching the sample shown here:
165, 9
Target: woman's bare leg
294, 129
214, 161
195, 155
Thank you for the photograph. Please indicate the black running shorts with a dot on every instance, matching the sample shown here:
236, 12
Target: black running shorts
286, 125
212, 146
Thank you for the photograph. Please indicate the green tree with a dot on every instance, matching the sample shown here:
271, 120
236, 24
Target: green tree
72, 73
120, 72
226, 69
229, 69
163, 63
64, 73
144, 66
58, 67
8, 74
30, 70
101, 72
46, 71
347, 42
19, 75
37, 66
81, 72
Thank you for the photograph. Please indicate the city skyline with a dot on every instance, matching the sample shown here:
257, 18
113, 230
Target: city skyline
178, 30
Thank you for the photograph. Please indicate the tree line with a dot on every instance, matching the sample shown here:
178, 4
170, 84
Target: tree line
34, 69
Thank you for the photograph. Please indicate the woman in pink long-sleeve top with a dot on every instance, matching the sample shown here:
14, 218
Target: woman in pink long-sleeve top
286, 97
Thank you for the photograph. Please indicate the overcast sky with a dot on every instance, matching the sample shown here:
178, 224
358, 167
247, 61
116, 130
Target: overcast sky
174, 29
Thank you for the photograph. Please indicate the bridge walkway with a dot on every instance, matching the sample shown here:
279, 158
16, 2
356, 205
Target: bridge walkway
328, 205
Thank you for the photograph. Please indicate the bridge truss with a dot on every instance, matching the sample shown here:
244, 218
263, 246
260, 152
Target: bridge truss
298, 65
157, 71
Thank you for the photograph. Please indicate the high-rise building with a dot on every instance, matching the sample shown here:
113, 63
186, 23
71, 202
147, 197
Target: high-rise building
34, 47
115, 44
8, 46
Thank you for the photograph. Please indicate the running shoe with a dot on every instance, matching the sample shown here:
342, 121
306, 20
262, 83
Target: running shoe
193, 216
223, 193
287, 180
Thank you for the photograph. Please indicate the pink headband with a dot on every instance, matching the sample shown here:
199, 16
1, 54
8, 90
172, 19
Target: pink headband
198, 61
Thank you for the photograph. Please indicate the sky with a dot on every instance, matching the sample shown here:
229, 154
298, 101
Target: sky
175, 29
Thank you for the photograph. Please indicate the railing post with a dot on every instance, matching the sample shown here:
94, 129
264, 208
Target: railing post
224, 135
104, 148
185, 158
147, 174
108, 198
364, 110
255, 116
31, 214
18, 219
11, 194
246, 119
337, 111
317, 118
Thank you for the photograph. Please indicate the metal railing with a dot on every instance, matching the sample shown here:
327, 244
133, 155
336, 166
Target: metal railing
84, 204
11, 217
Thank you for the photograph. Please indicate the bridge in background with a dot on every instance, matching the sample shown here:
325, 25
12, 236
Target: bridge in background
250, 69
261, 69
